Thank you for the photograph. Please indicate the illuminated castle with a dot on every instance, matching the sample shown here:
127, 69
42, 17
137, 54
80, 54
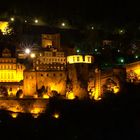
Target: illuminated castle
11, 72
47, 71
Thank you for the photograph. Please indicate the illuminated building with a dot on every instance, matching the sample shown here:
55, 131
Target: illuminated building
11, 72
50, 60
79, 59
48, 71
51, 80
133, 71
4, 27
49, 40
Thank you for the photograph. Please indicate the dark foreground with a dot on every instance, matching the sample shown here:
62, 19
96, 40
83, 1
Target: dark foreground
113, 118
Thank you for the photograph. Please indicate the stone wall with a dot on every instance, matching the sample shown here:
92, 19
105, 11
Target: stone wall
52, 80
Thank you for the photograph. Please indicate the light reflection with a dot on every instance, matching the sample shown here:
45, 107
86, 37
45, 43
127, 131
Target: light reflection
70, 95
14, 115
56, 115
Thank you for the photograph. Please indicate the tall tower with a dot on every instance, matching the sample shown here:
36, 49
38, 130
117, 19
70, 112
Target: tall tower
97, 84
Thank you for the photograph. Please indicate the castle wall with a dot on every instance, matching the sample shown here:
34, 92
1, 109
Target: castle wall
52, 80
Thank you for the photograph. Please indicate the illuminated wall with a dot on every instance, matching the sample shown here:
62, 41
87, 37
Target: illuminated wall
51, 40
135, 68
4, 27
11, 72
79, 59
55, 80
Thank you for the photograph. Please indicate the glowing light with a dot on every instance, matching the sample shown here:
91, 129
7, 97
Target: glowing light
137, 71
4, 27
36, 110
63, 24
35, 115
122, 60
35, 96
25, 21
27, 51
70, 95
136, 56
12, 19
56, 115
116, 89
32, 55
45, 96
96, 50
121, 31
79, 59
92, 28
36, 21
14, 114
21, 96
78, 51
118, 50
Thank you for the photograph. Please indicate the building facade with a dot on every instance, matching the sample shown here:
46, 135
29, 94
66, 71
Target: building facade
11, 72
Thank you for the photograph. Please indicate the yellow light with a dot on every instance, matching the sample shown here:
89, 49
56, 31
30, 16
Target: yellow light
35, 115
56, 115
70, 95
137, 71
79, 59
35, 96
21, 96
45, 96
116, 89
36, 110
14, 114
4, 27
32, 55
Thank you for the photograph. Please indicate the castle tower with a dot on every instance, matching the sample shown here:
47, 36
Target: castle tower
97, 84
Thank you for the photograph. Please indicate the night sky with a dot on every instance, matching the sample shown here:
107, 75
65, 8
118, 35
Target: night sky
85, 10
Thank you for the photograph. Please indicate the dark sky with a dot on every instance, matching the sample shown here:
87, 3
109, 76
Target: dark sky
87, 10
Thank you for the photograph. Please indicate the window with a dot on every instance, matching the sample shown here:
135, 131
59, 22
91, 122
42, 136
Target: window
88, 59
41, 74
73, 59
61, 74
77, 58
54, 74
47, 74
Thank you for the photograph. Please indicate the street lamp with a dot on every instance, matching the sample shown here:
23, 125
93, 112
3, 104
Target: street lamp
27, 51
92, 28
36, 21
12, 19
33, 56
63, 24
